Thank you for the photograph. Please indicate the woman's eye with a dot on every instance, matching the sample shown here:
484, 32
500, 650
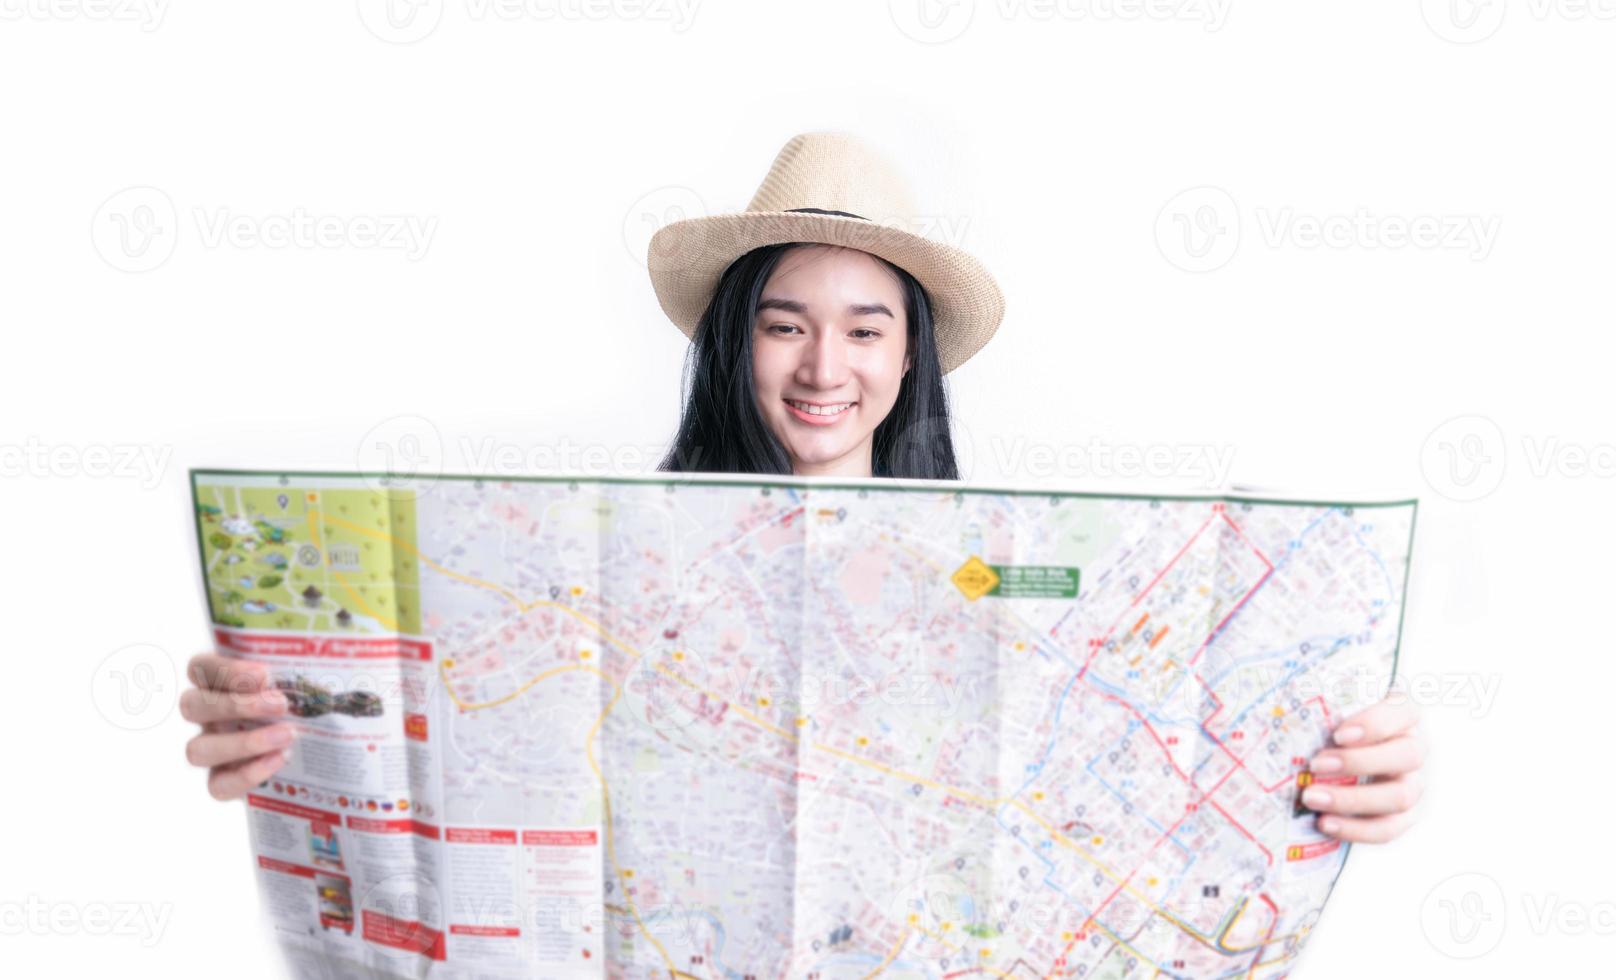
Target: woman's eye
870, 333
782, 326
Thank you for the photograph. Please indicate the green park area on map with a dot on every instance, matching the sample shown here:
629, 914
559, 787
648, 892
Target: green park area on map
296, 558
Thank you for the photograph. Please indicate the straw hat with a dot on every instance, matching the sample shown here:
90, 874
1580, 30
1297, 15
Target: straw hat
830, 188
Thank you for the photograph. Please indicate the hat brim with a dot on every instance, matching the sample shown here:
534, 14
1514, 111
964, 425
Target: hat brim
686, 259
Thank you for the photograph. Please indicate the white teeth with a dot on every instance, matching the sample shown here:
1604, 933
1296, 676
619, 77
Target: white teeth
820, 410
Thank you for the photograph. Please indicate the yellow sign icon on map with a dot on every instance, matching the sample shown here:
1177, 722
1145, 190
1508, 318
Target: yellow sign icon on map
975, 578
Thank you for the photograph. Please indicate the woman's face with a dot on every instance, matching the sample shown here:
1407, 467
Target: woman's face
830, 331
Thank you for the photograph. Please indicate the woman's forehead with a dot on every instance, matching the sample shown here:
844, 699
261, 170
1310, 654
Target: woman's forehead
847, 275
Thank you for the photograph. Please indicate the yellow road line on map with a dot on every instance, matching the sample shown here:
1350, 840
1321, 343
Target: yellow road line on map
463, 706
1245, 902
600, 777
522, 605
892, 954
606, 802
758, 720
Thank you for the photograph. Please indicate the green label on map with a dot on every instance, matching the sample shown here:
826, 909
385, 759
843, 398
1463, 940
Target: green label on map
1034, 582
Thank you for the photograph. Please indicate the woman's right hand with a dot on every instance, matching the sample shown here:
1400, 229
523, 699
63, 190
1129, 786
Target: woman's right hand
229, 691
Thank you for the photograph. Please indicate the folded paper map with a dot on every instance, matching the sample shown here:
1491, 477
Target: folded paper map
733, 727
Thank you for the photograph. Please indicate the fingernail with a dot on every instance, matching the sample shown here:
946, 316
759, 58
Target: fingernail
275, 702
1327, 763
1313, 796
1348, 735
1329, 825
282, 736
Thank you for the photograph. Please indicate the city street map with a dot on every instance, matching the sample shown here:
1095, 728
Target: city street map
753, 728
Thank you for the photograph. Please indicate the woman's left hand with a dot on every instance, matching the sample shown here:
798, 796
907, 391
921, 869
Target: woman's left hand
1382, 741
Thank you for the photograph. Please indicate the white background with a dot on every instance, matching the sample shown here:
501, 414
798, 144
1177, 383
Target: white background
1149, 182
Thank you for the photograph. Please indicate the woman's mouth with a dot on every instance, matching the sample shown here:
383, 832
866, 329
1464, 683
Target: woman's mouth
818, 414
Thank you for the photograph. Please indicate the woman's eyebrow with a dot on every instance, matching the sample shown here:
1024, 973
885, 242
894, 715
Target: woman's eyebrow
801, 309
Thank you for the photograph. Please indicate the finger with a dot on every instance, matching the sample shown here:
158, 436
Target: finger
1370, 799
233, 674
235, 780
1366, 830
203, 704
208, 749
1395, 715
1405, 753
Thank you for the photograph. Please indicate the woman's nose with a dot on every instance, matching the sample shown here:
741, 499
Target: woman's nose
824, 363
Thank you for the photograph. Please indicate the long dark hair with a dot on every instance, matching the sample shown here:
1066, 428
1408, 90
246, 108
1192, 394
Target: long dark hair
721, 429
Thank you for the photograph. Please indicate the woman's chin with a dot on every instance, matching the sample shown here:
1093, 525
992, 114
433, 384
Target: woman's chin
810, 451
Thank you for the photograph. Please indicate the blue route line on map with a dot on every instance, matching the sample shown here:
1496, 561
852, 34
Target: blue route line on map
1133, 726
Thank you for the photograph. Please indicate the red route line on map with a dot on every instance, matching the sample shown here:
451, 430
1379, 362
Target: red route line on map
1096, 646
1225, 621
1083, 929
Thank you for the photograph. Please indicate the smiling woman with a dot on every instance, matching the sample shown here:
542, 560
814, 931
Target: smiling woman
820, 339
821, 326
816, 360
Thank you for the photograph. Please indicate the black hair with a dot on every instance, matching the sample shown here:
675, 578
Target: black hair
720, 427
